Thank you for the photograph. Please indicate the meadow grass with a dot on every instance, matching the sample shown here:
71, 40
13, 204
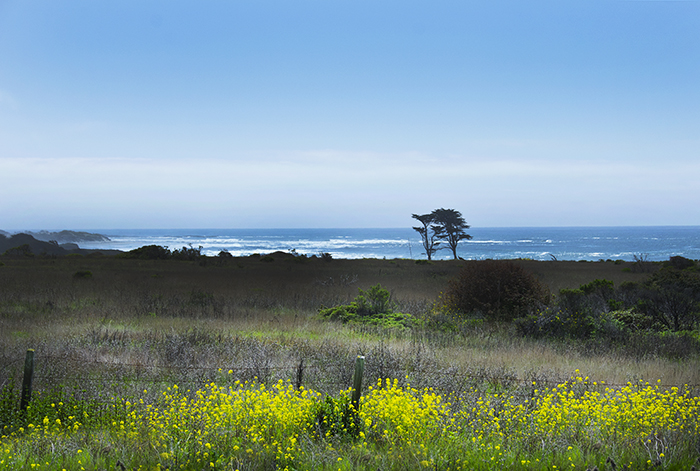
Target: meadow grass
181, 365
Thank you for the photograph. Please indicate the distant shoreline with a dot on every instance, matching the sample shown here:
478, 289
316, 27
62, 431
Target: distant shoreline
653, 243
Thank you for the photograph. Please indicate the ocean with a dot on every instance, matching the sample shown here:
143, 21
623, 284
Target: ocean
538, 243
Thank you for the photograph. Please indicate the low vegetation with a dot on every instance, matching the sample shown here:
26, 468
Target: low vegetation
193, 362
658, 315
371, 307
495, 290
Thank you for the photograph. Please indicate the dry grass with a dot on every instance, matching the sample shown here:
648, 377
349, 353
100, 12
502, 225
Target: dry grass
146, 322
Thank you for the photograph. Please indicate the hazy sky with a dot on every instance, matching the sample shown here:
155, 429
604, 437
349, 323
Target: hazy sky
333, 113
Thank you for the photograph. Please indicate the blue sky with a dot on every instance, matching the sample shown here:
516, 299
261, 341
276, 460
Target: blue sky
234, 114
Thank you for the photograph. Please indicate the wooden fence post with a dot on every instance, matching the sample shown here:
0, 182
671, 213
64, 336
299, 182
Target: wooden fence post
300, 373
27, 382
357, 381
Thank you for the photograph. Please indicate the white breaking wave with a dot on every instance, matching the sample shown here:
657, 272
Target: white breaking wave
580, 243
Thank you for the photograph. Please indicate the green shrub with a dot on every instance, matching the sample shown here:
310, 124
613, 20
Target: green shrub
499, 290
557, 323
598, 295
373, 307
83, 274
23, 249
376, 300
267, 259
669, 300
593, 310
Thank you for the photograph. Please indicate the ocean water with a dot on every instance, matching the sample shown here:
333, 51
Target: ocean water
539, 243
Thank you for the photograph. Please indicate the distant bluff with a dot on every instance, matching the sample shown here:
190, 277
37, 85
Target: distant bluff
64, 237
50, 243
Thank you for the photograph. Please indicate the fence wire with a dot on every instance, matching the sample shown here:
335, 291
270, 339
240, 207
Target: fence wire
72, 373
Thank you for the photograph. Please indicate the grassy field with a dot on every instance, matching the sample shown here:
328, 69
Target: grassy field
113, 337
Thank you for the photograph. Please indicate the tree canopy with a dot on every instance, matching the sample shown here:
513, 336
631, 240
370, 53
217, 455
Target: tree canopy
442, 224
429, 232
453, 227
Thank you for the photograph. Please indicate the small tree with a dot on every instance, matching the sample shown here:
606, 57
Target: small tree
429, 232
452, 227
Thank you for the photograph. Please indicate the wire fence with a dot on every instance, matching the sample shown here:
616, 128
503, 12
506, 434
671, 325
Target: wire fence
111, 381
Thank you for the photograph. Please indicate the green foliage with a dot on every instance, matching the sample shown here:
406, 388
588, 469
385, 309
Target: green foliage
668, 301
372, 307
598, 295
267, 259
9, 402
376, 300
326, 256
23, 249
671, 296
336, 417
681, 263
83, 274
498, 290
593, 310
557, 323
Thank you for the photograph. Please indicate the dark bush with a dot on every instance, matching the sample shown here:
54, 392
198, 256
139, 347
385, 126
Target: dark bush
559, 323
681, 263
645, 344
499, 290
659, 312
148, 252
188, 253
23, 249
224, 257
672, 298
598, 295
83, 274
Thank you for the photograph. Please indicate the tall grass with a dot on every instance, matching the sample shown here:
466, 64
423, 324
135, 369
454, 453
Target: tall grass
110, 346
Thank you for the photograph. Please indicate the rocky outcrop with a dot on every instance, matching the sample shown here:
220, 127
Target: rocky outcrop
25, 244
64, 237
